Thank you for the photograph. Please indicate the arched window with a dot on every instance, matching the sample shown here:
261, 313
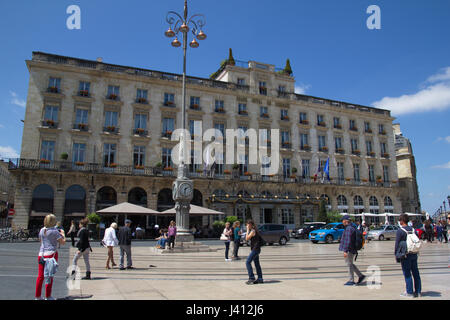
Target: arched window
342, 200
373, 201
197, 199
138, 196
165, 200
42, 200
75, 201
388, 202
326, 198
358, 201
106, 197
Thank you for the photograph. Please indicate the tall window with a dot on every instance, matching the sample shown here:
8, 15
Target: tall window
219, 163
373, 201
109, 154
285, 138
241, 81
140, 121
141, 95
336, 122
169, 98
340, 169
352, 125
383, 148
286, 168
84, 88
369, 147
303, 117
320, 120
54, 84
303, 140
81, 116
338, 143
354, 143
321, 142
139, 156
111, 118
195, 101
356, 174
219, 106
221, 128
113, 91
191, 127
242, 108
371, 173
263, 88
78, 152
305, 169
284, 114
358, 205
381, 129
166, 157
367, 127
168, 125
48, 150
51, 113
263, 112
243, 167
386, 173
287, 216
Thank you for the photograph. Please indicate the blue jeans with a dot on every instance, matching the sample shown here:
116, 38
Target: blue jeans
254, 256
409, 266
227, 248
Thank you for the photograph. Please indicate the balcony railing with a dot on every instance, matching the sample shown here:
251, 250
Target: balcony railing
81, 126
111, 129
68, 166
140, 132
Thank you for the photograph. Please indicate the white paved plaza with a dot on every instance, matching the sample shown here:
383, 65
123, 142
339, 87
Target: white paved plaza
300, 270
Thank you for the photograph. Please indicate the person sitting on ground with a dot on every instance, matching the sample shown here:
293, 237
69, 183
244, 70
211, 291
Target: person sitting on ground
162, 239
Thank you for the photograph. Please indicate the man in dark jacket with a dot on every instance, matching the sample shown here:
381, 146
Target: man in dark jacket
347, 245
125, 245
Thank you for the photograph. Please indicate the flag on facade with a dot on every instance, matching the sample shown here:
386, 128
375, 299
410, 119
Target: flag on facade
326, 170
319, 169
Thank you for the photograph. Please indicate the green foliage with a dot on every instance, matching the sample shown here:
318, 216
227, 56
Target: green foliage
218, 226
287, 68
64, 156
294, 170
323, 216
334, 216
231, 219
94, 218
231, 61
159, 165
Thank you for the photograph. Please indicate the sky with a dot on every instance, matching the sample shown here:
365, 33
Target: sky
403, 67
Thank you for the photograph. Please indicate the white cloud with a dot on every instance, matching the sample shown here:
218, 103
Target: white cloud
446, 139
302, 88
442, 166
1, 126
8, 152
16, 100
434, 96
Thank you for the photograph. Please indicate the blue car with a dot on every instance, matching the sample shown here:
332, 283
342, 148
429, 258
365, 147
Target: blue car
331, 232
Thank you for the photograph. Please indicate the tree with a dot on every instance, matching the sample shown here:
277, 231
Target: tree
287, 68
94, 218
334, 216
231, 61
323, 217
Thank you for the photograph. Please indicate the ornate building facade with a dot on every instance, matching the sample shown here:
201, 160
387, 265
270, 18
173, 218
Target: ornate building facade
97, 134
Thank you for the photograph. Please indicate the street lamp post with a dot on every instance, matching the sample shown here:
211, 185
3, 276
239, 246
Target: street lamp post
183, 188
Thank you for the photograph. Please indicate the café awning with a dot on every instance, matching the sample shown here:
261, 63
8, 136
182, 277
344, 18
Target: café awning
195, 211
128, 209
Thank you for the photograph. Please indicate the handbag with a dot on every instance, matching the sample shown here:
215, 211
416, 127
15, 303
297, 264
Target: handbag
224, 237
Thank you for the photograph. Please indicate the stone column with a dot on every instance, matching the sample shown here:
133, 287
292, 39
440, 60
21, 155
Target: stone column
58, 204
22, 206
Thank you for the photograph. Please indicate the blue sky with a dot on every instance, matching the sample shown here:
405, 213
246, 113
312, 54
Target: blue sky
405, 66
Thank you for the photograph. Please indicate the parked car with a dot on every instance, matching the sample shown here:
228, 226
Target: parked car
271, 233
303, 231
329, 233
382, 233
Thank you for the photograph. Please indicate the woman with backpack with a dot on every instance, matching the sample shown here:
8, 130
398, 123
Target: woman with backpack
255, 244
409, 261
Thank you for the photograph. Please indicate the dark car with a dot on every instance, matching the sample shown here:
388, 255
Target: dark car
271, 233
303, 231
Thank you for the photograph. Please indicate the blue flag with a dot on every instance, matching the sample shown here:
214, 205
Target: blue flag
327, 168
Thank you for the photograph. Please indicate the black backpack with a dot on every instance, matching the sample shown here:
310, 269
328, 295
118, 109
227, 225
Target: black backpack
359, 238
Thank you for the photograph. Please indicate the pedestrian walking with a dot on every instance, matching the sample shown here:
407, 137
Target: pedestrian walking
408, 261
50, 238
84, 249
125, 245
429, 231
439, 231
256, 242
444, 231
110, 241
72, 231
347, 245
172, 233
236, 239
226, 237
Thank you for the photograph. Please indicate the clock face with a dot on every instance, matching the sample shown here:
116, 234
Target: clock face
186, 190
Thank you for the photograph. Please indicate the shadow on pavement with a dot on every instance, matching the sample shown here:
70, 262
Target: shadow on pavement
76, 297
98, 278
431, 294
271, 281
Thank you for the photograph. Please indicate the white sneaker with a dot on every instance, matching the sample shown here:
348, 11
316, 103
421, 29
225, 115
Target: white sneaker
228, 260
38, 298
50, 298
406, 295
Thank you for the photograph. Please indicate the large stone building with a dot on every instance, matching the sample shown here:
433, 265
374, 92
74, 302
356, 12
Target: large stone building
406, 166
97, 134
6, 193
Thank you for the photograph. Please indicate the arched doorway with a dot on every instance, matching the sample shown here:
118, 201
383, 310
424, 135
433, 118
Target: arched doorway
74, 205
197, 200
41, 205
165, 202
106, 197
138, 196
